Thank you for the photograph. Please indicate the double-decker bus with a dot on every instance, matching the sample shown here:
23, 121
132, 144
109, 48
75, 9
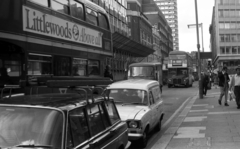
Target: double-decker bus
52, 38
180, 69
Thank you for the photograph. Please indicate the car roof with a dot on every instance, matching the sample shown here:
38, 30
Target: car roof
142, 84
65, 102
145, 64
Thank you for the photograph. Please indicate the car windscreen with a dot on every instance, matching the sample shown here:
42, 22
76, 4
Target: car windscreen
30, 126
146, 71
129, 96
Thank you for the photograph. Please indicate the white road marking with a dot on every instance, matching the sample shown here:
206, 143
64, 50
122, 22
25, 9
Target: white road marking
195, 119
190, 132
205, 110
227, 112
199, 105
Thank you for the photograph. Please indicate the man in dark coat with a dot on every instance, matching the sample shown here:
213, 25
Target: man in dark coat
223, 84
205, 82
107, 72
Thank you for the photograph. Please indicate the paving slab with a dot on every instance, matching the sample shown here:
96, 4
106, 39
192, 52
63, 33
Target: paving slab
204, 124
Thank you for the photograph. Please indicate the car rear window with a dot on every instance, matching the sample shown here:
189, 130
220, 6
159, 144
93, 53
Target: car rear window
30, 126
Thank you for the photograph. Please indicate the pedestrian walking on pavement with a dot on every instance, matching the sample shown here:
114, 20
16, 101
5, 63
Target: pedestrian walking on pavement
108, 73
205, 80
235, 86
224, 86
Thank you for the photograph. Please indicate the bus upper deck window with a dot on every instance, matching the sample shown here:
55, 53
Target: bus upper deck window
77, 9
91, 16
103, 21
60, 6
42, 2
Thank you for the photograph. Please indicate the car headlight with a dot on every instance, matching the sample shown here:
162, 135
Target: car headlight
133, 124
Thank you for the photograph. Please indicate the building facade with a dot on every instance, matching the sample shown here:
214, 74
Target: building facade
170, 11
225, 34
157, 19
127, 45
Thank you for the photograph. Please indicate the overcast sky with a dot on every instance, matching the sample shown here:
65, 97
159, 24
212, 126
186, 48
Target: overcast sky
186, 15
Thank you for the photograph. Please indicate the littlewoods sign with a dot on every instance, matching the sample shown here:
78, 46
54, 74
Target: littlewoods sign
40, 23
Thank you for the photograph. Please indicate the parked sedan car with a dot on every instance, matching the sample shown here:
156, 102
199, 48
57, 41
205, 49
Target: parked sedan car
140, 104
61, 121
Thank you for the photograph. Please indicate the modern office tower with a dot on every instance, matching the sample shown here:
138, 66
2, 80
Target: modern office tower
225, 34
169, 9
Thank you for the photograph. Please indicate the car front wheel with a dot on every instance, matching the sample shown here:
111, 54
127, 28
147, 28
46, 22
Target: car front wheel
144, 140
159, 125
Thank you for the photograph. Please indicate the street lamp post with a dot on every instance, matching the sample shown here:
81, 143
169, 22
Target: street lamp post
199, 61
199, 25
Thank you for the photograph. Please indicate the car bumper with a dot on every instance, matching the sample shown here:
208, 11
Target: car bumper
134, 136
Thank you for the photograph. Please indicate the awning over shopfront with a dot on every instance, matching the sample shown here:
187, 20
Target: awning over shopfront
123, 43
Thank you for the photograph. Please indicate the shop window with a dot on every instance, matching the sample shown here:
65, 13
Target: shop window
79, 67
39, 64
13, 68
226, 64
62, 66
41, 2
93, 67
91, 16
103, 21
77, 10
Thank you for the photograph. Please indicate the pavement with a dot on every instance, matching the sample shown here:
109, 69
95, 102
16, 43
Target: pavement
204, 124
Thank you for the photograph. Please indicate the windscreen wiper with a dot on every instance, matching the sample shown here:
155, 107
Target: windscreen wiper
33, 146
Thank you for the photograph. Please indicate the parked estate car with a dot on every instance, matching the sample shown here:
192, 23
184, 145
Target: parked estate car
61, 121
140, 104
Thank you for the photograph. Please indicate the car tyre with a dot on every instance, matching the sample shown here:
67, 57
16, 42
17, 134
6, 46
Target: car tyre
169, 86
159, 125
144, 140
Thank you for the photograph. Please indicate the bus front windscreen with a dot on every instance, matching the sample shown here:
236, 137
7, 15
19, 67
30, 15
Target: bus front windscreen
141, 71
177, 72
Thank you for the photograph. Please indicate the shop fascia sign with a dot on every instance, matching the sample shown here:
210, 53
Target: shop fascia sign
37, 22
